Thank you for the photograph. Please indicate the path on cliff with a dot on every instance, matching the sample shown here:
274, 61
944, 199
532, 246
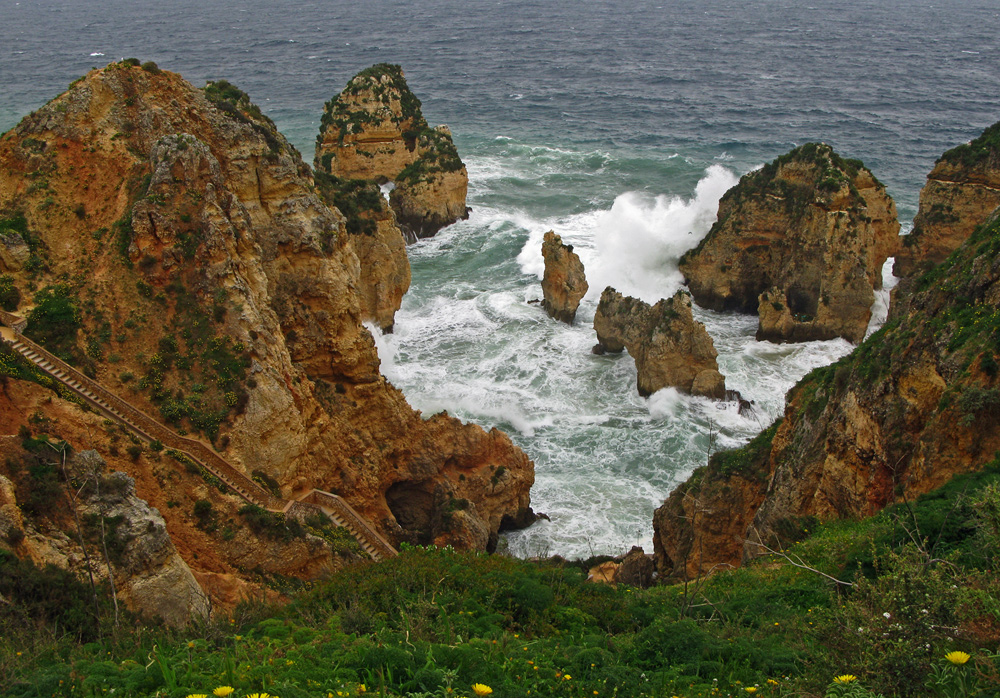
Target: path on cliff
149, 429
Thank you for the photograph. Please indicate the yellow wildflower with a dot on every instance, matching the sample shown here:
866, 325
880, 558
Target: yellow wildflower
567, 677
956, 657
845, 678
223, 691
361, 688
481, 689
752, 689
197, 695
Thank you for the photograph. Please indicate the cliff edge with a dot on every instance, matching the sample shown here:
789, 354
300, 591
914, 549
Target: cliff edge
915, 404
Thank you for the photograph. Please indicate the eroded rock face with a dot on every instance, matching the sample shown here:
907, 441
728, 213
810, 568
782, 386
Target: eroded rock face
200, 236
564, 284
801, 242
374, 131
670, 348
961, 192
911, 407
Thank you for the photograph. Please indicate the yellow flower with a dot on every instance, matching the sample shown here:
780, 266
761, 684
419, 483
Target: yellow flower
223, 691
481, 689
957, 657
845, 678
567, 677
361, 688
752, 689
197, 695
772, 682
191, 645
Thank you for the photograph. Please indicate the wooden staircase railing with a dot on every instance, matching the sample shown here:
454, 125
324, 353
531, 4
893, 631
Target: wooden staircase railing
149, 429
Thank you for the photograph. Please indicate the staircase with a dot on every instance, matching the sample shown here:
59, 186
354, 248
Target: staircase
149, 429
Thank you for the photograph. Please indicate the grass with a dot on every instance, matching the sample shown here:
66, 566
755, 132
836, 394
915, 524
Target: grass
435, 619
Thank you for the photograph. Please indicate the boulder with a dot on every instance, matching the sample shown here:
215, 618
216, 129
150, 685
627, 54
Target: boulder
564, 283
801, 242
670, 348
637, 569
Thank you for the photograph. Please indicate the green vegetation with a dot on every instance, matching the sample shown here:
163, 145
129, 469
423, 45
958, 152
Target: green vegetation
437, 154
55, 320
750, 461
359, 200
236, 104
15, 226
983, 150
435, 619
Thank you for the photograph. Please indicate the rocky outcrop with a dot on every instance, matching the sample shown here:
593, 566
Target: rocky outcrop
801, 242
374, 131
915, 404
961, 192
217, 289
564, 284
670, 348
376, 240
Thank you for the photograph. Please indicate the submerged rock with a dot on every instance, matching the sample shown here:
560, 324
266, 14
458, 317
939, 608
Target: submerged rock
801, 242
670, 348
374, 130
565, 282
961, 192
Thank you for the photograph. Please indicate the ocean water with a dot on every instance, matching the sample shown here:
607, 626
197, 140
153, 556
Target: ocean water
619, 126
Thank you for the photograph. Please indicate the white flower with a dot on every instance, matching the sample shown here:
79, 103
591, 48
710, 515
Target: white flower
887, 614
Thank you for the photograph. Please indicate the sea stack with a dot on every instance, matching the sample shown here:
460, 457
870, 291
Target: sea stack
801, 242
670, 348
961, 192
374, 130
564, 283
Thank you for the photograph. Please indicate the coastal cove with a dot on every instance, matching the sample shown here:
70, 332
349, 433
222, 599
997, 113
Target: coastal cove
624, 152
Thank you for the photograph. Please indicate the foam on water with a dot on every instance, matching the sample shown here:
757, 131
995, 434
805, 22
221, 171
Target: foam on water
468, 341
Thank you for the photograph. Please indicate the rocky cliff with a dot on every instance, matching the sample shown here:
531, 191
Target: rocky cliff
374, 131
564, 283
176, 248
670, 348
801, 242
912, 406
961, 192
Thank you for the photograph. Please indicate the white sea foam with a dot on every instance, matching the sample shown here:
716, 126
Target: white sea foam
636, 245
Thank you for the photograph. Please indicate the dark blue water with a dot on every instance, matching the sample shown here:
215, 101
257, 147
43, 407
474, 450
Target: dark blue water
894, 82
617, 125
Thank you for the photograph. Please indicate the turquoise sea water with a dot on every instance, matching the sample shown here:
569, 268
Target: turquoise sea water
617, 126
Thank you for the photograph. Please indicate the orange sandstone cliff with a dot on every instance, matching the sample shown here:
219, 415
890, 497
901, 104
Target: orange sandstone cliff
176, 248
915, 404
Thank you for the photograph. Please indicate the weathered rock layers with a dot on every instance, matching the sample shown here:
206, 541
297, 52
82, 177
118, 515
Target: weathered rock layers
231, 296
374, 130
961, 192
564, 283
801, 242
670, 348
911, 407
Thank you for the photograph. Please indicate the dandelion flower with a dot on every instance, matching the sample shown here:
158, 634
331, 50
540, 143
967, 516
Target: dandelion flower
956, 657
361, 688
845, 678
223, 691
197, 695
567, 677
750, 689
481, 689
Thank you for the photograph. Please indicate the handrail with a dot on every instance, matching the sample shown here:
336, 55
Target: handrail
150, 429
